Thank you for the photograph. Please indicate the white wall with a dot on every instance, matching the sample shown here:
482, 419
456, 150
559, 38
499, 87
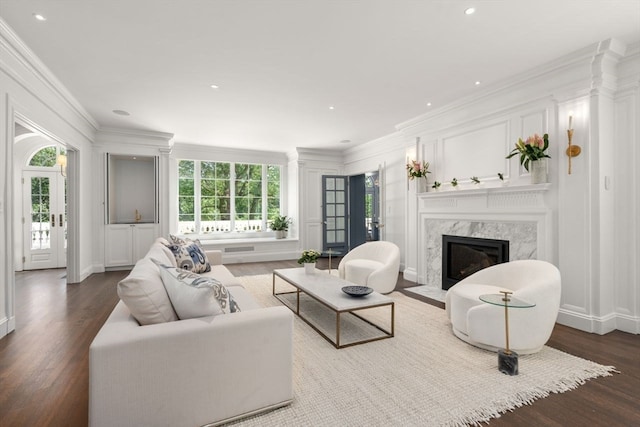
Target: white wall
387, 155
311, 165
29, 91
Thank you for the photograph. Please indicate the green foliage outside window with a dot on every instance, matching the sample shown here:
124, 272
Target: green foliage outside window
186, 195
273, 191
215, 196
40, 199
45, 157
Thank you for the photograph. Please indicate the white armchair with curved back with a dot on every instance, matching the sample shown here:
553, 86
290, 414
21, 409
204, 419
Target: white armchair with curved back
483, 325
372, 264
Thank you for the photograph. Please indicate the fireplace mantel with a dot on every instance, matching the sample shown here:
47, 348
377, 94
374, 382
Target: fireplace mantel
493, 198
520, 214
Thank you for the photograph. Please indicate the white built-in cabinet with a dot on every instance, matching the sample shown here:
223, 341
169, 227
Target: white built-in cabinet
131, 208
127, 243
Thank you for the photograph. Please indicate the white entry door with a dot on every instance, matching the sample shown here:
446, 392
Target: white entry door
44, 220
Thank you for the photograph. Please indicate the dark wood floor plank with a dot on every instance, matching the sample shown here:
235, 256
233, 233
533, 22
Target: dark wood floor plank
44, 363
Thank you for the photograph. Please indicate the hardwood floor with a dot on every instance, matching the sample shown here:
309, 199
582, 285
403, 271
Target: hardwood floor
44, 363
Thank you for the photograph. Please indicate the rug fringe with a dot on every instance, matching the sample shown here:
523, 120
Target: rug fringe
484, 415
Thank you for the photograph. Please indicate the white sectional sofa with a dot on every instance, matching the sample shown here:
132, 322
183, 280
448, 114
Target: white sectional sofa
192, 372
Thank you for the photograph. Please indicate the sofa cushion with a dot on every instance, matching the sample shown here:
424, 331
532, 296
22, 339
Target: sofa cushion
223, 275
144, 294
190, 256
193, 295
243, 298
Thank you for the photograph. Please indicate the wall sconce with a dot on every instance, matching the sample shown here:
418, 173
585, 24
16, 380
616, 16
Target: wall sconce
572, 150
62, 161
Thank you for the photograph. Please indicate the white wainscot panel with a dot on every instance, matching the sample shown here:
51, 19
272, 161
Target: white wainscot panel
478, 152
532, 123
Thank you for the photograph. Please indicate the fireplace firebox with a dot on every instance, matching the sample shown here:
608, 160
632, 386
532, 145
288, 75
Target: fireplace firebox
463, 256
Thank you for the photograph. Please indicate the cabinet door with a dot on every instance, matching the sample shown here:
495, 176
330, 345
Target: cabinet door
143, 236
118, 245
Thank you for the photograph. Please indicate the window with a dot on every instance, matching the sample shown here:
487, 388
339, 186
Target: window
46, 156
216, 197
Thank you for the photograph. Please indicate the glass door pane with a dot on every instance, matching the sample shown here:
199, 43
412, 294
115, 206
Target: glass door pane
335, 209
41, 220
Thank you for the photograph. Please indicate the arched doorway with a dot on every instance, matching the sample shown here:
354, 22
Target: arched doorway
40, 196
44, 210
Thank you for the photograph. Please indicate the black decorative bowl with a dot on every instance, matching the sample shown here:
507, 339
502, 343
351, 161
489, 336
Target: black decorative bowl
357, 291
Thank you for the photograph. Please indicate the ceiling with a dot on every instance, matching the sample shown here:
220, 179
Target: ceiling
281, 64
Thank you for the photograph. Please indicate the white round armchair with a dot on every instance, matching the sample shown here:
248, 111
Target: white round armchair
372, 264
483, 325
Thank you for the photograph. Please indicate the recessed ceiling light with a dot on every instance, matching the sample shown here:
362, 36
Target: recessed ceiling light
121, 112
331, 107
470, 11
477, 82
39, 17
215, 87
345, 141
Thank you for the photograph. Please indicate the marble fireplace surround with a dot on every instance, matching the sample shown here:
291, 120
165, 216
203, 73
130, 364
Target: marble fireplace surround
520, 214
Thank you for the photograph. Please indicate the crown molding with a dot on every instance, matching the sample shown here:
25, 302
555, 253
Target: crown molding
28, 59
106, 135
545, 72
226, 154
319, 154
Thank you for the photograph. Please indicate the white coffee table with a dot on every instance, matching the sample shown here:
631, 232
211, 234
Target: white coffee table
327, 290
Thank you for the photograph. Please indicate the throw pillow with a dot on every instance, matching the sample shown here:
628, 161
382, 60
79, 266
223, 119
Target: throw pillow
193, 295
144, 294
189, 255
180, 241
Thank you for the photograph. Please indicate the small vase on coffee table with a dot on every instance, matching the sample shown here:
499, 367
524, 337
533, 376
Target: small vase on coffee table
309, 267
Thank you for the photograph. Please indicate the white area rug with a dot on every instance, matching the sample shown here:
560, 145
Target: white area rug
424, 376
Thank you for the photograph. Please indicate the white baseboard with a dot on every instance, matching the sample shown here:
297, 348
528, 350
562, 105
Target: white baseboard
7, 325
599, 324
628, 324
86, 273
410, 274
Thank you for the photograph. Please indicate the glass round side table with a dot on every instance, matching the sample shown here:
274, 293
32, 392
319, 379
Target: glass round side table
507, 359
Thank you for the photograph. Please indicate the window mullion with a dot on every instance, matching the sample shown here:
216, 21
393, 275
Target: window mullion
197, 194
265, 197
232, 185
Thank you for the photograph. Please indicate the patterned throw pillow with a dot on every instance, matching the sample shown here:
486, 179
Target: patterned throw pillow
179, 240
189, 254
193, 295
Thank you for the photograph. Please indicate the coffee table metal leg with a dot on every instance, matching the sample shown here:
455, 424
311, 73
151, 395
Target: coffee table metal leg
393, 319
337, 329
